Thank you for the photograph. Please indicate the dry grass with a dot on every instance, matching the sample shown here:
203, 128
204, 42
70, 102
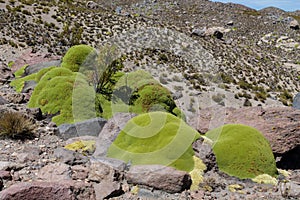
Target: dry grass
16, 126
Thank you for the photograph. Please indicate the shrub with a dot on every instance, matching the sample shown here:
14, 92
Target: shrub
76, 56
242, 151
16, 126
156, 138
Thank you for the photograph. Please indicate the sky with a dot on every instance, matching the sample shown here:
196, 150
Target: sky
287, 5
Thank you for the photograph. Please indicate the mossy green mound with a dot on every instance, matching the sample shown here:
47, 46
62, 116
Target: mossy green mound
242, 151
19, 83
139, 92
76, 56
156, 138
54, 95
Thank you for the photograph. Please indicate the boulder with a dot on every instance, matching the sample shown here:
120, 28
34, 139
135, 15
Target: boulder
294, 24
69, 157
30, 69
107, 189
110, 131
296, 102
55, 172
67, 190
159, 177
90, 127
28, 86
280, 125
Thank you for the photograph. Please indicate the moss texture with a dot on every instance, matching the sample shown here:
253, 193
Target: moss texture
54, 95
156, 138
242, 151
76, 56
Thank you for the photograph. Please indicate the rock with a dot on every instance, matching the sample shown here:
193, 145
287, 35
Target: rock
28, 86
108, 189
294, 24
177, 95
30, 69
230, 23
55, 172
106, 169
110, 131
90, 127
280, 125
69, 157
10, 165
79, 172
29, 153
5, 74
5, 175
199, 32
159, 177
67, 190
205, 153
92, 5
3, 101
296, 102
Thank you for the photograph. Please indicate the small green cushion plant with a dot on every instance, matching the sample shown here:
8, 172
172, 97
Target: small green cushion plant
76, 56
242, 151
156, 138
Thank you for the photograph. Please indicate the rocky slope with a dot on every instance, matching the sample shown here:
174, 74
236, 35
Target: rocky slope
206, 53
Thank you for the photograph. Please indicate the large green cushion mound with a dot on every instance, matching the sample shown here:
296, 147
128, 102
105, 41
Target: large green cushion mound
156, 138
54, 94
242, 151
76, 56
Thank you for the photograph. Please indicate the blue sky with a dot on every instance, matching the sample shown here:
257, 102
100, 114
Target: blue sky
287, 5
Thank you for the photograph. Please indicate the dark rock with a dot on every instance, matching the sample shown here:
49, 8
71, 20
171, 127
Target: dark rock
218, 34
28, 86
90, 127
296, 102
159, 177
5, 175
92, 5
69, 157
177, 95
30, 69
110, 131
230, 23
67, 190
5, 74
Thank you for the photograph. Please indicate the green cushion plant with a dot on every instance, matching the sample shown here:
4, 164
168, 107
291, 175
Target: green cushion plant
156, 138
77, 56
242, 151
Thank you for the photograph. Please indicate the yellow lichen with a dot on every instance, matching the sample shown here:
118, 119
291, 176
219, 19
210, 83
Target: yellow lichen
135, 190
82, 146
196, 173
235, 187
265, 179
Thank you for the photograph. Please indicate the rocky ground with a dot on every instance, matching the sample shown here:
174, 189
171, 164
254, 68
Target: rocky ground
216, 58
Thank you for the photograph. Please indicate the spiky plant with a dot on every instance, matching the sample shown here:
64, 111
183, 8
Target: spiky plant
16, 126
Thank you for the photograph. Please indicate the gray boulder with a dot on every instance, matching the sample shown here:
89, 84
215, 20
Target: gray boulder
296, 101
30, 69
91, 127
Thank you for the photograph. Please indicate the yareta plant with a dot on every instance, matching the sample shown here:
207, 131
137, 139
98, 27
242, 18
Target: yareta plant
156, 138
242, 151
77, 56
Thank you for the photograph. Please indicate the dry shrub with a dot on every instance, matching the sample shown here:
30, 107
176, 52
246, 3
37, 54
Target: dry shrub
16, 126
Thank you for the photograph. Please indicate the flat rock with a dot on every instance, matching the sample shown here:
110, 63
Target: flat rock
67, 190
69, 157
159, 177
107, 189
91, 127
55, 172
